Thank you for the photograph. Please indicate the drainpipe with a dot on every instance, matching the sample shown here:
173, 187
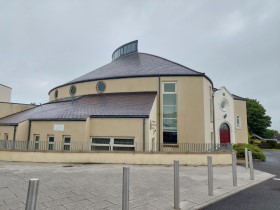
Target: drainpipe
214, 127
159, 121
14, 138
29, 128
144, 135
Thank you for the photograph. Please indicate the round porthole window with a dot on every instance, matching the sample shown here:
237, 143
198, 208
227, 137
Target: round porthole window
101, 87
56, 94
224, 105
72, 90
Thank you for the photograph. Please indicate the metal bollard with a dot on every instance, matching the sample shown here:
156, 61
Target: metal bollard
176, 185
251, 166
125, 192
246, 157
32, 194
234, 173
210, 175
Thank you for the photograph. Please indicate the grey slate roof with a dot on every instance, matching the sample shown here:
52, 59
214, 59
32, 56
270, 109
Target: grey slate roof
103, 105
137, 65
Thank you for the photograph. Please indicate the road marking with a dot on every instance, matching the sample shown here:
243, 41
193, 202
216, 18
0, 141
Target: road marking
276, 179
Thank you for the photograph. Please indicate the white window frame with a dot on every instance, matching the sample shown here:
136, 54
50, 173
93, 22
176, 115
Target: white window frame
36, 142
162, 106
238, 124
66, 144
50, 142
6, 136
112, 144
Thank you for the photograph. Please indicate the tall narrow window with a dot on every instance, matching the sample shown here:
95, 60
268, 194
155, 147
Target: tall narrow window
51, 142
169, 107
66, 141
211, 104
238, 122
6, 136
37, 141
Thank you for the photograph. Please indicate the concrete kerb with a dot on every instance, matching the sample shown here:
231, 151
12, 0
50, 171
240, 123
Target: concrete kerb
216, 198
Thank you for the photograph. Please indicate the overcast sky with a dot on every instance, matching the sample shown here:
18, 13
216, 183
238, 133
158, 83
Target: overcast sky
44, 44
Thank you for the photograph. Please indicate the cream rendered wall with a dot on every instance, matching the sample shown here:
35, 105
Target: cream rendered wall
190, 119
209, 128
112, 86
5, 93
119, 127
75, 129
12, 108
7, 129
22, 131
241, 134
219, 113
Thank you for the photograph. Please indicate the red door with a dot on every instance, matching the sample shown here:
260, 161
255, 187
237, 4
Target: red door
224, 134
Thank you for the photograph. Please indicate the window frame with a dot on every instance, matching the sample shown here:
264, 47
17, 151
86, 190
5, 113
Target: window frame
171, 129
238, 122
66, 145
51, 142
36, 142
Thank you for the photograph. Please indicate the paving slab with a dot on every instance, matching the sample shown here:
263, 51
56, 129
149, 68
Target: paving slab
99, 186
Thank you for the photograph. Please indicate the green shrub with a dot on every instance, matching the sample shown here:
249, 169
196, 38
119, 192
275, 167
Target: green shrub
278, 146
273, 143
256, 151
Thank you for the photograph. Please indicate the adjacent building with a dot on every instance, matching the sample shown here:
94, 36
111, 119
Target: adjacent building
138, 101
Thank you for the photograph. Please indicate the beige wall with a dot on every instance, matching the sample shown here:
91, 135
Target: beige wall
192, 103
75, 129
119, 127
152, 127
112, 86
5, 93
7, 129
121, 158
11, 108
241, 134
22, 131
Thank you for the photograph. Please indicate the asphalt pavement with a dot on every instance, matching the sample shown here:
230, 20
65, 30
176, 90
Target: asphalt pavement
265, 195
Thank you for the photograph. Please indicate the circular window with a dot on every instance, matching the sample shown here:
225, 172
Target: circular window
223, 105
56, 94
72, 90
101, 87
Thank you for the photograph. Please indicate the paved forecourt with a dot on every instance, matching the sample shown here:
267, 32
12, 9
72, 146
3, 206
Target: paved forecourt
99, 186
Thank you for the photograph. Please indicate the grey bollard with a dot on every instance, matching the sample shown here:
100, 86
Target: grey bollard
32, 194
234, 173
210, 175
246, 158
125, 192
176, 185
251, 166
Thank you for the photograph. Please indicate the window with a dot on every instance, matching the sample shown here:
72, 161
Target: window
125, 49
6, 136
238, 122
211, 104
100, 144
56, 94
169, 108
37, 141
72, 90
101, 87
113, 144
66, 142
51, 142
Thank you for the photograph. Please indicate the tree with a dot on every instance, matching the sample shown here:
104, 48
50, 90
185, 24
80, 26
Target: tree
258, 121
269, 133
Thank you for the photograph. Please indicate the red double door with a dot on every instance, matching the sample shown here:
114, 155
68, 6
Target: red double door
224, 134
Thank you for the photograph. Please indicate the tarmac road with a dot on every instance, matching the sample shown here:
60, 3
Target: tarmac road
265, 195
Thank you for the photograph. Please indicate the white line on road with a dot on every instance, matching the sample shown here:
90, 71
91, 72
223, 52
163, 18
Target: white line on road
276, 179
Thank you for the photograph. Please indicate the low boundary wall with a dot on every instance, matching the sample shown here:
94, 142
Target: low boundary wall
120, 158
